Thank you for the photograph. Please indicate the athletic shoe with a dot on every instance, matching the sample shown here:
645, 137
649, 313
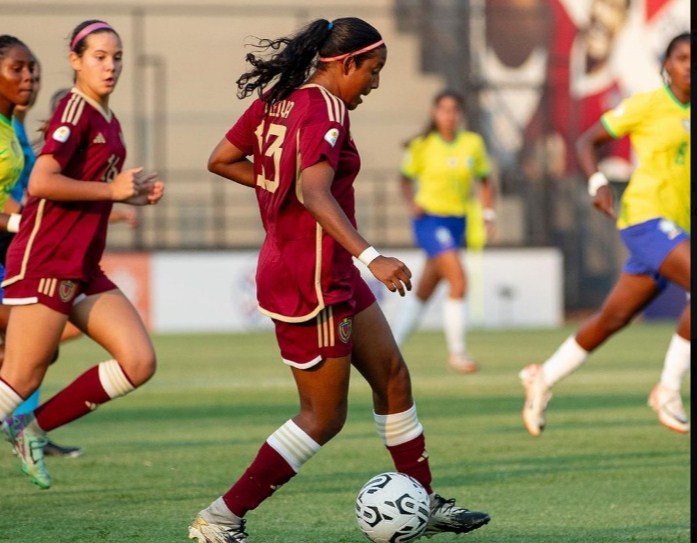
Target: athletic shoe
29, 446
537, 396
64, 451
668, 404
206, 532
448, 517
462, 363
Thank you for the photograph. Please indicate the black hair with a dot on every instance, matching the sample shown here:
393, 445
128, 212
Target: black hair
672, 44
81, 45
445, 93
686, 36
297, 54
7, 42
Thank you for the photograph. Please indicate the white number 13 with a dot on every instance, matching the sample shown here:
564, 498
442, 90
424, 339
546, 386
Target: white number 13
272, 146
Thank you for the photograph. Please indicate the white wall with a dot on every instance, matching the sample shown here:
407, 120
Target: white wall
215, 291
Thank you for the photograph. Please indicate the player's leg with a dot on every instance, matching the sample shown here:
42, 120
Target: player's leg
377, 358
665, 396
413, 307
628, 297
32, 336
318, 352
455, 310
110, 319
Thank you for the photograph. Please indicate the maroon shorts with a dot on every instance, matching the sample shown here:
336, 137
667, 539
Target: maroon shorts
58, 294
328, 335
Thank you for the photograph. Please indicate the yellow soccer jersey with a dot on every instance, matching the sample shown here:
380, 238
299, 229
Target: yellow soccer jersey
659, 129
11, 159
443, 171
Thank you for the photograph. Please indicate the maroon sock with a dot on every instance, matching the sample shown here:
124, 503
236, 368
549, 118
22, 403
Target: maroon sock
412, 458
267, 472
80, 397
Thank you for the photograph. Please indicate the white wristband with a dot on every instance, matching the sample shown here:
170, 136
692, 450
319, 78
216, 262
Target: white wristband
596, 181
13, 222
488, 214
368, 255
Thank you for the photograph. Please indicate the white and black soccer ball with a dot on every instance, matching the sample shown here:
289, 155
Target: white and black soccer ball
392, 508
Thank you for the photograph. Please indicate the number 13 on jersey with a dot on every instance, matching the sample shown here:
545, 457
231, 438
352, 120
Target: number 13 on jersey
271, 146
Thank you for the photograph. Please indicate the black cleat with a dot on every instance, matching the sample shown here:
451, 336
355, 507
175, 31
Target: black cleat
448, 517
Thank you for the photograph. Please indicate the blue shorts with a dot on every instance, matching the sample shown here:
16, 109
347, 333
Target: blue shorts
649, 244
436, 235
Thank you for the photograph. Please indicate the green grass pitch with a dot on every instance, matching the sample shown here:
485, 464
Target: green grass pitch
603, 471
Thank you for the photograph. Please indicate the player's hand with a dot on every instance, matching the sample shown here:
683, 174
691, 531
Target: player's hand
416, 210
391, 272
149, 193
604, 201
127, 184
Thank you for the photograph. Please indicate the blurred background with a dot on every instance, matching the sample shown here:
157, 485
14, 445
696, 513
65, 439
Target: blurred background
535, 74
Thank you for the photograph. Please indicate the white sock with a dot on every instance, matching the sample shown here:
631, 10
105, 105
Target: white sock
676, 363
409, 316
218, 513
398, 428
113, 379
293, 444
455, 324
9, 400
565, 360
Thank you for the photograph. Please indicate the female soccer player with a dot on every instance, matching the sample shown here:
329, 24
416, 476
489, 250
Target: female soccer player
654, 223
325, 316
443, 163
53, 272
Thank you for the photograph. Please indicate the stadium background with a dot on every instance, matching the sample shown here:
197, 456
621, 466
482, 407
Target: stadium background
177, 97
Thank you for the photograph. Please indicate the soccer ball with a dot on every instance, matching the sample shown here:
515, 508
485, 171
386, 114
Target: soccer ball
392, 508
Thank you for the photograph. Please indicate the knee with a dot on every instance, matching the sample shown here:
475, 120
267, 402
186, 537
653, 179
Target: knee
139, 367
322, 427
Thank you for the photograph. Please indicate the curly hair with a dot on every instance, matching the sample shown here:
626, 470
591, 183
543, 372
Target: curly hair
296, 55
7, 42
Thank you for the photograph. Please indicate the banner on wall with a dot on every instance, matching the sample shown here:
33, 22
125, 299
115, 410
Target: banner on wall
131, 273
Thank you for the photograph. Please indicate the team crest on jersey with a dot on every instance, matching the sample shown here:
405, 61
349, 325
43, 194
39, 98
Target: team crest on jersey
686, 124
345, 328
67, 290
331, 136
61, 134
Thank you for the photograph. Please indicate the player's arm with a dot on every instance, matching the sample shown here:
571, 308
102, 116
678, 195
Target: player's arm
587, 153
47, 181
408, 192
319, 201
229, 162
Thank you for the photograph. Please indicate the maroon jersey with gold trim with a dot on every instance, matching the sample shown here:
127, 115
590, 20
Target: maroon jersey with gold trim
66, 239
301, 268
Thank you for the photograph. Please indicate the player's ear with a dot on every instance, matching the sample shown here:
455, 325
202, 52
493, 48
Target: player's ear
75, 61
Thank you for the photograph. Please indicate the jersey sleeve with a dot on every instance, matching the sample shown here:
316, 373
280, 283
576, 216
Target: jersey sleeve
241, 135
319, 141
64, 133
482, 166
620, 120
410, 159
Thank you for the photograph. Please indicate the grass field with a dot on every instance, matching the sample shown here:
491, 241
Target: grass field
604, 470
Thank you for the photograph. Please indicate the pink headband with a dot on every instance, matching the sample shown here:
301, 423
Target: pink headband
88, 30
354, 53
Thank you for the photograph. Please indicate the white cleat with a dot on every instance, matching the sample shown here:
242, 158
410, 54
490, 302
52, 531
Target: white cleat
207, 532
537, 396
462, 363
668, 405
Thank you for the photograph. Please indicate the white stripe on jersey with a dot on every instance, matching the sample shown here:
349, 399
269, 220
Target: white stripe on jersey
336, 109
73, 110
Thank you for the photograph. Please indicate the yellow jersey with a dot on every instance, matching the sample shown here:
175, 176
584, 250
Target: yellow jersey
11, 159
659, 130
444, 171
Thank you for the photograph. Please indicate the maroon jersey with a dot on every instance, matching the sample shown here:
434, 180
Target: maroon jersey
67, 239
301, 268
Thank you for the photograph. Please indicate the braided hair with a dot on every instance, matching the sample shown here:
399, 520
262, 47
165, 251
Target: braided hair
296, 56
7, 42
